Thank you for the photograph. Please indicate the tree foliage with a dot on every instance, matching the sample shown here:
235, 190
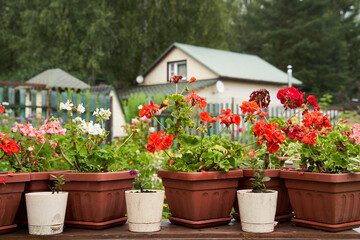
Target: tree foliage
118, 40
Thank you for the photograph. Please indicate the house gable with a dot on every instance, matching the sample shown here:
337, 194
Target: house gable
158, 73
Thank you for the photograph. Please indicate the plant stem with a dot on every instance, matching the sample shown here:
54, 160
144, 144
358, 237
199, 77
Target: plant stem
17, 159
132, 133
160, 123
167, 154
68, 161
244, 130
221, 131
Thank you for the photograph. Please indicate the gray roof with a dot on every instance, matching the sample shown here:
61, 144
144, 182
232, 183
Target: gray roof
232, 65
166, 88
54, 78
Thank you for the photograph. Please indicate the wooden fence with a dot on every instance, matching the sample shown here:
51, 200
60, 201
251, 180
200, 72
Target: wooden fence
234, 132
23, 102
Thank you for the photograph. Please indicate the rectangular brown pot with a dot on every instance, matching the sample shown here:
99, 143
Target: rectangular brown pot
200, 200
324, 201
96, 200
283, 206
10, 195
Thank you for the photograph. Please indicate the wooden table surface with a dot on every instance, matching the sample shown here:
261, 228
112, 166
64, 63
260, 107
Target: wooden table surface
170, 231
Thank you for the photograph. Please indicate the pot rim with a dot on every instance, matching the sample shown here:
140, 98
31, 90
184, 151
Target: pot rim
320, 177
95, 177
46, 193
199, 176
157, 191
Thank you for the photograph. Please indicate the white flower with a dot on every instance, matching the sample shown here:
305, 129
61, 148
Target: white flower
140, 107
102, 114
80, 108
151, 129
95, 129
66, 106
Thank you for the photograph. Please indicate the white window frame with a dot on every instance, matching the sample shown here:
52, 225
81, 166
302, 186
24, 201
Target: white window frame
175, 64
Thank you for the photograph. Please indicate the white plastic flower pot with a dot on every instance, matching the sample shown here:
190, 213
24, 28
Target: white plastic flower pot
46, 212
257, 210
144, 210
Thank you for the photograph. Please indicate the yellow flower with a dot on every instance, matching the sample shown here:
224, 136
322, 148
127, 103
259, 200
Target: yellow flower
165, 205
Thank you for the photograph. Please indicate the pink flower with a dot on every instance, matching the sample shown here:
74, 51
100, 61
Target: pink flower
53, 145
134, 121
31, 148
144, 119
158, 112
151, 129
252, 153
240, 129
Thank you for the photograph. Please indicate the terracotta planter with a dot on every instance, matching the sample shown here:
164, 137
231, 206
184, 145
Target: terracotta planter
199, 200
96, 200
39, 182
328, 202
10, 195
283, 206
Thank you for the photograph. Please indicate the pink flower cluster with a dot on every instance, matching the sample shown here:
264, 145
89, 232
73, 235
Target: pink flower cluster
53, 127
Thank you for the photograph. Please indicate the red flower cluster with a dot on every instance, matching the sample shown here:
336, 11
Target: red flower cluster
291, 97
176, 78
312, 100
149, 110
159, 141
270, 133
249, 107
229, 118
1, 109
205, 116
8, 146
316, 121
192, 79
261, 97
196, 99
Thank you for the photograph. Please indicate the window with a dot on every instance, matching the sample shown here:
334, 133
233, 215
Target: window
177, 68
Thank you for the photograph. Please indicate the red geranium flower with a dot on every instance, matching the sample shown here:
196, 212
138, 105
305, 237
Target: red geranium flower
9, 146
229, 118
270, 133
312, 100
291, 97
192, 79
196, 99
249, 107
176, 78
261, 97
205, 116
1, 109
159, 141
2, 180
149, 110
316, 121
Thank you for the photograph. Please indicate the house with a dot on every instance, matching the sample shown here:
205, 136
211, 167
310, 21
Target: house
222, 76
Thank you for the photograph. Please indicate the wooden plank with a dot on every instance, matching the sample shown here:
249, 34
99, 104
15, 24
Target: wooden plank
54, 104
284, 230
1, 95
92, 108
11, 97
22, 97
74, 100
44, 104
33, 94
64, 99
83, 101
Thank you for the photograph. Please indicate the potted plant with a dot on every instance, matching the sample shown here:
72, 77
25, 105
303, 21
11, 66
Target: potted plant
96, 195
200, 178
144, 208
35, 156
324, 194
257, 206
46, 210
